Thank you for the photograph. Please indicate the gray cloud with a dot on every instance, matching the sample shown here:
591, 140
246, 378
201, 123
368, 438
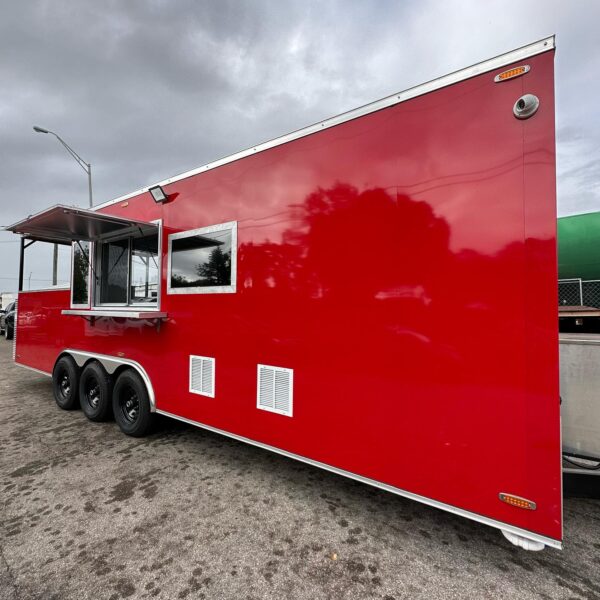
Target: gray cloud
144, 90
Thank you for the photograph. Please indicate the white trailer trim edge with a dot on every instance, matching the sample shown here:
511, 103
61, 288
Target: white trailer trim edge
33, 369
511, 532
492, 64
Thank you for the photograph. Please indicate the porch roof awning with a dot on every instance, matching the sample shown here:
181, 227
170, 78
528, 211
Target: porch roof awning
66, 224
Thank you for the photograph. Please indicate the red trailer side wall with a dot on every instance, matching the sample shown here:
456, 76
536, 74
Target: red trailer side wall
404, 265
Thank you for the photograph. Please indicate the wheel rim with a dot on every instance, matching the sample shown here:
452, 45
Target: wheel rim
129, 404
92, 392
64, 385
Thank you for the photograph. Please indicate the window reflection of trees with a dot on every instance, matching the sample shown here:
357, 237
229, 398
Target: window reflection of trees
378, 265
80, 273
217, 270
352, 242
211, 268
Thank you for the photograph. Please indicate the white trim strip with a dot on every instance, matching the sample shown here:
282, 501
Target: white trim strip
33, 369
15, 323
491, 64
536, 537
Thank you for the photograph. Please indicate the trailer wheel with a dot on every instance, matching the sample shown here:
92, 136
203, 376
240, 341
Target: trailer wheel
131, 404
95, 387
65, 383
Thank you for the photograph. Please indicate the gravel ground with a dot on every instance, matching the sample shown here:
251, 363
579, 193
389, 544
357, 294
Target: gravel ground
90, 513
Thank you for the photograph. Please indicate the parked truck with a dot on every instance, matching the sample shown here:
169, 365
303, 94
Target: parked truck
579, 325
338, 296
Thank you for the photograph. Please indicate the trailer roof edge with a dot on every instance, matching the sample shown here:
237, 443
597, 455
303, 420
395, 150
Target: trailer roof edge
538, 47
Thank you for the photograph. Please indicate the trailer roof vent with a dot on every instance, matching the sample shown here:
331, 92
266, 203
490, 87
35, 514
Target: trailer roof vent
202, 376
275, 389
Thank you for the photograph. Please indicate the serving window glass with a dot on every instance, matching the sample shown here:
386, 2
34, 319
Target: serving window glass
80, 274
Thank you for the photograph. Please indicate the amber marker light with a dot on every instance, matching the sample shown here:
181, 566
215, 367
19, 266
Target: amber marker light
517, 501
512, 73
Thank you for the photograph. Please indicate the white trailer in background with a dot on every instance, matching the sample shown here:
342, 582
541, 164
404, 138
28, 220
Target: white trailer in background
6, 298
580, 403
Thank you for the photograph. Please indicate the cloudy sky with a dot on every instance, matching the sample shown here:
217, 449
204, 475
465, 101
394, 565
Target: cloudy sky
145, 90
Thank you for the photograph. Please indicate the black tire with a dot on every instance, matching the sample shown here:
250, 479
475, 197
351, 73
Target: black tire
131, 404
10, 332
65, 383
95, 392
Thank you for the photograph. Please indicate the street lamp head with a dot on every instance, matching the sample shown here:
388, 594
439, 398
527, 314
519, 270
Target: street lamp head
87, 167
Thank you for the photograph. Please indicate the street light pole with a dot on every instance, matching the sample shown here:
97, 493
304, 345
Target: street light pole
87, 167
89, 172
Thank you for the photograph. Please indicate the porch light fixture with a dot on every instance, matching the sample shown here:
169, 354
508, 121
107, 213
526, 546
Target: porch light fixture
158, 194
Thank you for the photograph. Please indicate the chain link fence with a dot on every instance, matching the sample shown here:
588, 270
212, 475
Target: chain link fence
578, 292
569, 292
591, 293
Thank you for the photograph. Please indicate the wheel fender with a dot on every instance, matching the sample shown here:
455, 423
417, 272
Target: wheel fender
111, 364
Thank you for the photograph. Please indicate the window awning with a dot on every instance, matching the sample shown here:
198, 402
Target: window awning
66, 224
194, 242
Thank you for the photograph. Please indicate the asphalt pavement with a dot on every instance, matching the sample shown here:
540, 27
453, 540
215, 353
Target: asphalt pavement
88, 513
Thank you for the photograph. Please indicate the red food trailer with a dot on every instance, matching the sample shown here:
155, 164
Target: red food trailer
339, 296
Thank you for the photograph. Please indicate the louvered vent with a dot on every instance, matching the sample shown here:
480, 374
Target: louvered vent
202, 376
275, 389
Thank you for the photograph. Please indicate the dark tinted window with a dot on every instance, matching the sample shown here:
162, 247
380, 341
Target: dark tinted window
81, 265
201, 260
114, 265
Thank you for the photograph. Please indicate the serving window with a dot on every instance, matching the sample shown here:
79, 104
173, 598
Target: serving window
115, 260
120, 271
203, 261
128, 271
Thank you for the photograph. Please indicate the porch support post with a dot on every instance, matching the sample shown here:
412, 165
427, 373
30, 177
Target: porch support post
21, 263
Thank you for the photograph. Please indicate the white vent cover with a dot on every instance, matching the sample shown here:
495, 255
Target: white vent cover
202, 376
275, 389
